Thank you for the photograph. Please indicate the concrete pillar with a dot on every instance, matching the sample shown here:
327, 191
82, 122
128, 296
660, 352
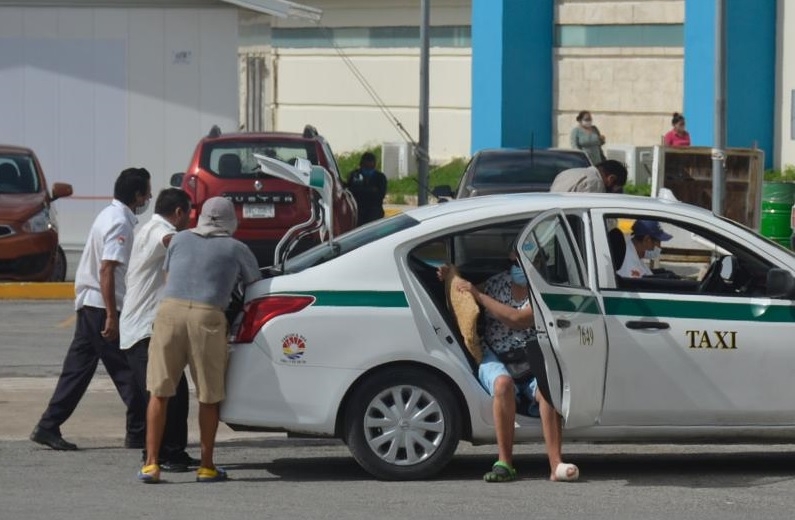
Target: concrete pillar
512, 73
750, 76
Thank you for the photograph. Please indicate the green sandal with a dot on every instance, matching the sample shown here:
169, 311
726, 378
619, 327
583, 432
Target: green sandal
500, 472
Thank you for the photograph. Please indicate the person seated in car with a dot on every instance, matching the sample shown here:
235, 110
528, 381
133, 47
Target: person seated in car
644, 243
509, 320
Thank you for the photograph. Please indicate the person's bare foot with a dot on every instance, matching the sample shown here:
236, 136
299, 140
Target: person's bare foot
565, 473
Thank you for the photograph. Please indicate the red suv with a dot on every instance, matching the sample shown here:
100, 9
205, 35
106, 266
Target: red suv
224, 165
29, 249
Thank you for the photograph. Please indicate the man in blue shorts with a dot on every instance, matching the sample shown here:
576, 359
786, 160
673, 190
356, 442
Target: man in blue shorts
509, 322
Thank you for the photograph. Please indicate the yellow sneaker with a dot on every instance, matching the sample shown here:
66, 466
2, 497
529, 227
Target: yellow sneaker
149, 474
211, 475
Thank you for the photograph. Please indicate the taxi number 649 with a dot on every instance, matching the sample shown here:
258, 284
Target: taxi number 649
586, 334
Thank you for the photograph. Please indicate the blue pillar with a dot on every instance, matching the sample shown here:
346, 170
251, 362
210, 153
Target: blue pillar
750, 75
512, 73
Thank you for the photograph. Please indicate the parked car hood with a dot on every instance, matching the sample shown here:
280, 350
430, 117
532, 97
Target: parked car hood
509, 188
17, 207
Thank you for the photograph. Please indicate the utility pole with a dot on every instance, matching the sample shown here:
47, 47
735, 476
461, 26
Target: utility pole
422, 152
719, 145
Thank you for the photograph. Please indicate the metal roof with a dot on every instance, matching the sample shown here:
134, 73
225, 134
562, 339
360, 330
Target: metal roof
280, 8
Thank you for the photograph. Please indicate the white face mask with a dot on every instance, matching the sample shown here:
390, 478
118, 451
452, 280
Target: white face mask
140, 210
654, 254
587, 124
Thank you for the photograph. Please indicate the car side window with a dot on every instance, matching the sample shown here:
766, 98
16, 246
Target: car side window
552, 253
691, 260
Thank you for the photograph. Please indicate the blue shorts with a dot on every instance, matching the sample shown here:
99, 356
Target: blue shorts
491, 368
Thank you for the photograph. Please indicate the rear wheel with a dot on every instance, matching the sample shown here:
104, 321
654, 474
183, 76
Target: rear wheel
403, 424
59, 268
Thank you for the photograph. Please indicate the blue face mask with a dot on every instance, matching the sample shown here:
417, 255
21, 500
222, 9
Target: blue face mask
368, 171
517, 275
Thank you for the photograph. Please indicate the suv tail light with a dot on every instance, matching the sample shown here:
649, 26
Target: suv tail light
257, 313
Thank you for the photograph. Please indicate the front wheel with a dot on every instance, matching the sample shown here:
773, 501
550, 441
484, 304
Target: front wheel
403, 424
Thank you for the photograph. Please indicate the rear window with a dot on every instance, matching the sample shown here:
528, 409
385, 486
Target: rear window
235, 159
349, 241
523, 167
18, 174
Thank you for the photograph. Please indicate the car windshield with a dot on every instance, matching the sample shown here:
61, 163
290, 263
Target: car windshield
523, 167
235, 159
348, 242
18, 174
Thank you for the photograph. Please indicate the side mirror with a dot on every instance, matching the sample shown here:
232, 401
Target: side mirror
176, 180
780, 284
443, 193
61, 189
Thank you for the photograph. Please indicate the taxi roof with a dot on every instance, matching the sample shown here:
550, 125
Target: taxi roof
522, 202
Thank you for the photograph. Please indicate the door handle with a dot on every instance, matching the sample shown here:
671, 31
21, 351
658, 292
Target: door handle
656, 325
562, 324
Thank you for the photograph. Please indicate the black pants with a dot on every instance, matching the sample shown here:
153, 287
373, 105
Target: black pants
87, 349
175, 436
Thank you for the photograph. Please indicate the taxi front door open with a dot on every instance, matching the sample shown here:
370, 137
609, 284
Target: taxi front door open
576, 353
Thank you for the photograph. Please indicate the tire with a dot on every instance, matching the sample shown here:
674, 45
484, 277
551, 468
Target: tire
383, 437
59, 268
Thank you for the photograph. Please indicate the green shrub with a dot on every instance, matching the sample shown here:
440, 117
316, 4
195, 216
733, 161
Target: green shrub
786, 175
637, 189
448, 173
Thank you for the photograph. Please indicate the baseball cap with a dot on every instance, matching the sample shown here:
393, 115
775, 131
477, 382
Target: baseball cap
217, 218
651, 228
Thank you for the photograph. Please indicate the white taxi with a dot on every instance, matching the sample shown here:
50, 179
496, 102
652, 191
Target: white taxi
353, 339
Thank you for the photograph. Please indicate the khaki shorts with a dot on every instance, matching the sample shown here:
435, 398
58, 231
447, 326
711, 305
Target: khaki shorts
188, 333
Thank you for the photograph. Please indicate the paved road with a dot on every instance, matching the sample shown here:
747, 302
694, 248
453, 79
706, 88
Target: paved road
277, 477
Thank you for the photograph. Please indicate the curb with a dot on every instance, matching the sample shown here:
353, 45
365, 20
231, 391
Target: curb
37, 291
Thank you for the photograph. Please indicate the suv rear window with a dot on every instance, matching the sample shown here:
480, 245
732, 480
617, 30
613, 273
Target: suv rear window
18, 174
235, 159
523, 167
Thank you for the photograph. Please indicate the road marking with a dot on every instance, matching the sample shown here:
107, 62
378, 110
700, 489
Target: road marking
68, 322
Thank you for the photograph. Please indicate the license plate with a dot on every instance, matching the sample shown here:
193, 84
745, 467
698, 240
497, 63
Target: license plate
258, 211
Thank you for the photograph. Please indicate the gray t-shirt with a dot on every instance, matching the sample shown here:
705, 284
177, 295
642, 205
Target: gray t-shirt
206, 269
579, 179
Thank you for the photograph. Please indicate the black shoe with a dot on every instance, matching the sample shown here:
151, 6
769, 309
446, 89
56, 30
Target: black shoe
51, 439
172, 466
132, 442
185, 459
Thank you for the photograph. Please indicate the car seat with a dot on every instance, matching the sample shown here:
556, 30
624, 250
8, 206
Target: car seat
229, 165
618, 247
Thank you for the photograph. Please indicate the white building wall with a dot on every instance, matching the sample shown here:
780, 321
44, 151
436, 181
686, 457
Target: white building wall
316, 86
96, 90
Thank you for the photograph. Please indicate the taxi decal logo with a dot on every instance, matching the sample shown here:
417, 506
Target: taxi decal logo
722, 339
293, 348
121, 239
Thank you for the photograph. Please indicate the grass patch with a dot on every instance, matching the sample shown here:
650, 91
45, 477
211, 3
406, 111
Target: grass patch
448, 173
785, 175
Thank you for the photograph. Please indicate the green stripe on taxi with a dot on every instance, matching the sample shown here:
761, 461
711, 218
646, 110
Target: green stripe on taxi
701, 310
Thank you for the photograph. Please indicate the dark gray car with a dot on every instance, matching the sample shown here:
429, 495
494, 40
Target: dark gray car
507, 170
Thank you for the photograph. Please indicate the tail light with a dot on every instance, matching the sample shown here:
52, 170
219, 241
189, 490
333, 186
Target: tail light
257, 313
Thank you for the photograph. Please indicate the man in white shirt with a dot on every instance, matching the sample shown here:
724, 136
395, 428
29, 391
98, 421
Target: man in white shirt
606, 177
99, 290
644, 242
145, 282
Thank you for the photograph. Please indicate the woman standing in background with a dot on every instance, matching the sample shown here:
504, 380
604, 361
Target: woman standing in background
677, 136
586, 137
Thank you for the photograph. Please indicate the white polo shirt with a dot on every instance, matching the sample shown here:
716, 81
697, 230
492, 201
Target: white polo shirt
633, 266
110, 238
145, 281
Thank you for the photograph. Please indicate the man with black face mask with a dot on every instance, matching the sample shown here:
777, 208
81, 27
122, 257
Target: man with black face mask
99, 290
368, 187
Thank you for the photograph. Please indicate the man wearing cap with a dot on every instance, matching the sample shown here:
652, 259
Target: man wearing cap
606, 177
644, 242
203, 265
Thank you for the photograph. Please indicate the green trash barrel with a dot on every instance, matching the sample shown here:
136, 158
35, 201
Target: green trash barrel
777, 201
